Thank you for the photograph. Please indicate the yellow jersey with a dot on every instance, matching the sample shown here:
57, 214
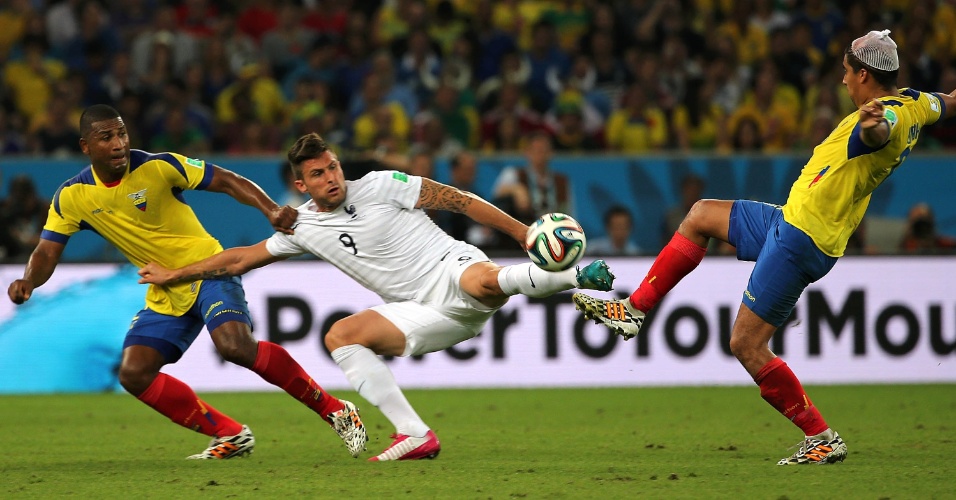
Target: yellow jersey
829, 198
144, 216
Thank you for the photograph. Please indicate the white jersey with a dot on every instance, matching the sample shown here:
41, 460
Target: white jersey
376, 236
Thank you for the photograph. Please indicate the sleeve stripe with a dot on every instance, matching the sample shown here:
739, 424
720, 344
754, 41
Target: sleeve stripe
942, 106
856, 147
54, 236
172, 160
210, 172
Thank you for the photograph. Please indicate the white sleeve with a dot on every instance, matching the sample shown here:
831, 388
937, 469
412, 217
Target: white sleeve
283, 245
395, 188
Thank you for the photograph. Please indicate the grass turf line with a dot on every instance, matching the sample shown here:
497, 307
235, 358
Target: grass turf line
714, 442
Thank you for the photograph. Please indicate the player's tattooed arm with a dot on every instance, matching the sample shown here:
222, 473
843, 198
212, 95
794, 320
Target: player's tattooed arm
438, 196
207, 275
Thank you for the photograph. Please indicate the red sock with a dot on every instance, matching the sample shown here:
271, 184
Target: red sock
780, 387
179, 403
276, 366
678, 258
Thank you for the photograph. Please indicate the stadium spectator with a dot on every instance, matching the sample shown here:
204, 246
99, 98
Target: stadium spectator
23, 213
798, 243
431, 137
570, 19
461, 292
184, 48
639, 126
95, 43
570, 133
32, 79
445, 27
63, 22
749, 38
118, 80
130, 18
922, 237
546, 60
491, 42
773, 108
286, 44
155, 227
699, 124
178, 134
379, 116
618, 227
463, 170
11, 140
691, 191
257, 18
13, 21
198, 18
527, 192
319, 64
55, 132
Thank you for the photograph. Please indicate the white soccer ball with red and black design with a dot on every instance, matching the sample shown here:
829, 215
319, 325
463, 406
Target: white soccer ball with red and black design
555, 242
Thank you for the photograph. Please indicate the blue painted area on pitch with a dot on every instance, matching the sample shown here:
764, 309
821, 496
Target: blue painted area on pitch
68, 341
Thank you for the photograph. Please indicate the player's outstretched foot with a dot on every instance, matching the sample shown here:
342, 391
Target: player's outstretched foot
824, 448
349, 427
221, 448
595, 276
410, 448
618, 315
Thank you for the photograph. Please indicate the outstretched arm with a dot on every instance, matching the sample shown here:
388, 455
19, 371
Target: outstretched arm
438, 196
39, 268
950, 101
249, 193
231, 262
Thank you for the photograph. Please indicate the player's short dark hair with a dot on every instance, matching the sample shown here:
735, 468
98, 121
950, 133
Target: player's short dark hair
886, 79
307, 147
96, 113
615, 211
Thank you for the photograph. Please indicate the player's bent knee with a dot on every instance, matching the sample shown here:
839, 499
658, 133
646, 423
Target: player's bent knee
135, 379
339, 335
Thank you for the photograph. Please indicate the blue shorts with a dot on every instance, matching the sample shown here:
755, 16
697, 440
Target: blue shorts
218, 301
787, 260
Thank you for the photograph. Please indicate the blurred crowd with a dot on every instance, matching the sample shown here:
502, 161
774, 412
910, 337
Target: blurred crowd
441, 76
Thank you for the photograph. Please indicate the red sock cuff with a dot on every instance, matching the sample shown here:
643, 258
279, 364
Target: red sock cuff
152, 393
262, 357
771, 365
692, 250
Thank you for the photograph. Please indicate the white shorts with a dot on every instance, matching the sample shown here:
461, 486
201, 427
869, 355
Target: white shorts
445, 315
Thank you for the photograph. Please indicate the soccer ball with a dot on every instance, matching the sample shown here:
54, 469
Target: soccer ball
555, 242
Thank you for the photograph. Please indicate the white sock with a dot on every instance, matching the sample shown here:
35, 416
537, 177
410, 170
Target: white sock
529, 279
370, 376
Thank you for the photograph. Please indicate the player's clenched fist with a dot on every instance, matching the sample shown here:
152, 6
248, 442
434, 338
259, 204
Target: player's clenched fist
282, 219
871, 114
20, 291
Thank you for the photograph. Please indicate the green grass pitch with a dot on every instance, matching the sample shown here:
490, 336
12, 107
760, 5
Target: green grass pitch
702, 442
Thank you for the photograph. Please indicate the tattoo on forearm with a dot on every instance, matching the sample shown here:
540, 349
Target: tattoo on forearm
440, 197
206, 275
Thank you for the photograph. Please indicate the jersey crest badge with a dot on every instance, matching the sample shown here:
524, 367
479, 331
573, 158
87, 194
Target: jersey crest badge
139, 199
